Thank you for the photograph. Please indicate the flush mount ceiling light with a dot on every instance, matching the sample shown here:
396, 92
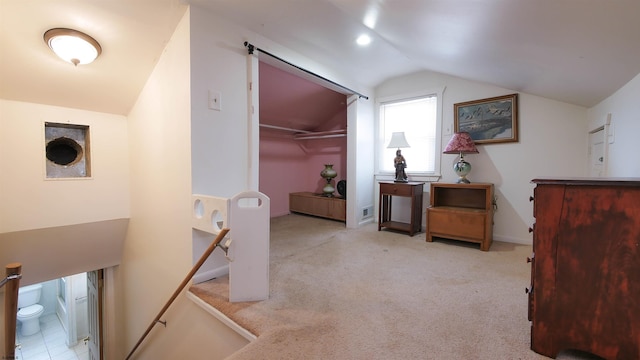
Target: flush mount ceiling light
72, 46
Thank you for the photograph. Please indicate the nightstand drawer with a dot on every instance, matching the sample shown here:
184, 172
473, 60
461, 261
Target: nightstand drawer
457, 223
393, 189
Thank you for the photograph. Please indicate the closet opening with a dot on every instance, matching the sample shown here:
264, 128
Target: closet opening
303, 128
299, 112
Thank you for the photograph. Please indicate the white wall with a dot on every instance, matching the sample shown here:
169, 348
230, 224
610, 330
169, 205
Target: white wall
624, 108
360, 142
157, 253
29, 201
552, 142
219, 139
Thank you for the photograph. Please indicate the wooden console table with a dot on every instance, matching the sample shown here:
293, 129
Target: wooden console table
318, 205
461, 212
413, 190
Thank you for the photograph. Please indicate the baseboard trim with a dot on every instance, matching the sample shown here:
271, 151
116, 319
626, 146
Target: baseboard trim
211, 274
512, 240
366, 221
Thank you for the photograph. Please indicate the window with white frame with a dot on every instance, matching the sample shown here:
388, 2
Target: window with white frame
418, 118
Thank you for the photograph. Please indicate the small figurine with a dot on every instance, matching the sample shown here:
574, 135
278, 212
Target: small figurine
400, 164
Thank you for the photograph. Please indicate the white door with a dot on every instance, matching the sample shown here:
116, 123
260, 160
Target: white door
597, 153
94, 299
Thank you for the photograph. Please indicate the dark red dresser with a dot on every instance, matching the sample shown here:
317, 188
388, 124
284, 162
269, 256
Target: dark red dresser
585, 267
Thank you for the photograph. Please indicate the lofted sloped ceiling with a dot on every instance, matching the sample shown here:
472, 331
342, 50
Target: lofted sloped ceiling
289, 101
573, 51
132, 35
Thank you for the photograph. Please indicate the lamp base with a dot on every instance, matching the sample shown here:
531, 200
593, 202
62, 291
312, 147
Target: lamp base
462, 168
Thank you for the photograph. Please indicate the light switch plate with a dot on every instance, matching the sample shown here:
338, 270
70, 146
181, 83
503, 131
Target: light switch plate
215, 99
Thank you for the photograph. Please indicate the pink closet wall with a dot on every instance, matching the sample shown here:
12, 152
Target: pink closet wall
288, 165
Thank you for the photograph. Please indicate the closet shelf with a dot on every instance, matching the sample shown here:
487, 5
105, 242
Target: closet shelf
309, 135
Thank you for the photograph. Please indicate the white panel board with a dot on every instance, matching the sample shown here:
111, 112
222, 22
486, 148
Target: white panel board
249, 249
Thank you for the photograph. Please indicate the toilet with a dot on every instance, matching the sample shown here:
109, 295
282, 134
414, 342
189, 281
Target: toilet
29, 310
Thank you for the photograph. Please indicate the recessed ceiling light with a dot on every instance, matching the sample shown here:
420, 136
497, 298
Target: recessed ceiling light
363, 40
371, 18
72, 46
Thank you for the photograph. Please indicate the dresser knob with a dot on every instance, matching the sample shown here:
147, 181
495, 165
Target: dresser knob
530, 198
529, 259
528, 290
530, 229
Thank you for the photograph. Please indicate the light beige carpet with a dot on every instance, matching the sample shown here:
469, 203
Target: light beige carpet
340, 293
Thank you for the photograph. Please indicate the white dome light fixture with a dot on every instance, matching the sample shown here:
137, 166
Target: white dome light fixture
72, 46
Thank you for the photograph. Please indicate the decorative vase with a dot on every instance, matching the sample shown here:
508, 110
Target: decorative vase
328, 173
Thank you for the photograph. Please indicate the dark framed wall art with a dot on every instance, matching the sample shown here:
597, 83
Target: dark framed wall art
491, 120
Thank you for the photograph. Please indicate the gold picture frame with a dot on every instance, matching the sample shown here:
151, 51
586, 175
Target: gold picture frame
488, 121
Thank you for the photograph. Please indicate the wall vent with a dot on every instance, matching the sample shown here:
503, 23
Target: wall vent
67, 150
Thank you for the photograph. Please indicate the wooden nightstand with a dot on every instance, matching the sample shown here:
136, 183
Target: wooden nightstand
461, 212
413, 190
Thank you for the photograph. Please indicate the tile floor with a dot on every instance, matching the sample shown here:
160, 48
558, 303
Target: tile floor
49, 343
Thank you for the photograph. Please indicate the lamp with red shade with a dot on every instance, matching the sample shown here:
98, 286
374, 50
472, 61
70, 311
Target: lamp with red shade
462, 143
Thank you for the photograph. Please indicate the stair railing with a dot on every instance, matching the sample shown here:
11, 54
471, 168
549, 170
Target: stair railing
12, 281
196, 267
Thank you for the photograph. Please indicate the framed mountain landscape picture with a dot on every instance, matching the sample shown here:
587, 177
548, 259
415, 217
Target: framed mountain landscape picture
491, 120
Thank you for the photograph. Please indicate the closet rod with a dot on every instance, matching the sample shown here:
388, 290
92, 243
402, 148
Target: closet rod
252, 48
321, 135
313, 137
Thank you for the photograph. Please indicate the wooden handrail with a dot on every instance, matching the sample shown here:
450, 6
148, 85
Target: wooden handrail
184, 283
11, 309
